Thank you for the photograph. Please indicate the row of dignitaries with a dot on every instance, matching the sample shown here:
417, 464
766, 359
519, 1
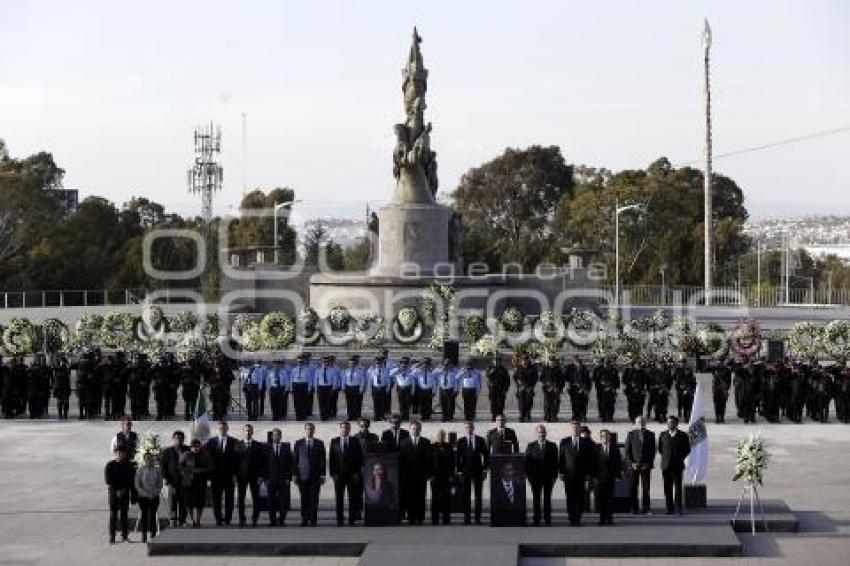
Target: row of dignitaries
266, 470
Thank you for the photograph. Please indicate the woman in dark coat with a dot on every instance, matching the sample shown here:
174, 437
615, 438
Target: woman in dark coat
442, 467
195, 467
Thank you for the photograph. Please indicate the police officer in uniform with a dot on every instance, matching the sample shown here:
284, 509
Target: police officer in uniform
686, 385
61, 385
381, 385
426, 387
302, 384
327, 381
469, 380
498, 383
354, 384
634, 387
553, 381
190, 385
578, 387
607, 382
721, 381
525, 378
447, 388
405, 385
279, 387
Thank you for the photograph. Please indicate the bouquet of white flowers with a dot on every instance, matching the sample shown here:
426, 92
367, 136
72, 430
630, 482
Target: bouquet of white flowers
150, 444
752, 457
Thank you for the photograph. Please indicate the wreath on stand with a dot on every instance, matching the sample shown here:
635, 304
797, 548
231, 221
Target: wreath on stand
116, 329
408, 326
276, 331
804, 340
55, 334
21, 337
370, 331
338, 327
308, 324
835, 340
746, 339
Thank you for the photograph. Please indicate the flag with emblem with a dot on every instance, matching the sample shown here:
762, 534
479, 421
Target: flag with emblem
201, 422
696, 463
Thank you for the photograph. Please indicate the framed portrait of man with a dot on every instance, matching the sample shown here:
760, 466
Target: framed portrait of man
507, 490
381, 489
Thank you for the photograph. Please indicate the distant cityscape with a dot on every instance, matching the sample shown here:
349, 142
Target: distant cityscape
820, 235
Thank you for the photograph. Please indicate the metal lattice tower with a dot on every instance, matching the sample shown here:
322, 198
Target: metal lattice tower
205, 176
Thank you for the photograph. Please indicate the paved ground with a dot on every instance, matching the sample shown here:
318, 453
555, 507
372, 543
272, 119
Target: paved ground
53, 503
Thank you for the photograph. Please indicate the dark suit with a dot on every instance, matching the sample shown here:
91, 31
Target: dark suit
415, 469
442, 476
278, 474
541, 468
609, 468
170, 464
309, 468
224, 462
502, 441
673, 449
368, 442
575, 462
640, 453
388, 440
251, 463
471, 465
346, 467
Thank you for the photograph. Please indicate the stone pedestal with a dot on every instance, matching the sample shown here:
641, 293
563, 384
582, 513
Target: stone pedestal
413, 238
696, 496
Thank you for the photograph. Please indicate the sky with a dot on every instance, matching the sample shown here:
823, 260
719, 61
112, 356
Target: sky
115, 89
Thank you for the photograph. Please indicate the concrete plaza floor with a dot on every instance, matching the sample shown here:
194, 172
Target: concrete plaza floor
53, 501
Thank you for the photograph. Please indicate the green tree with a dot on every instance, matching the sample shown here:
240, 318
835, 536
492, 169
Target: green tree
251, 230
508, 204
667, 230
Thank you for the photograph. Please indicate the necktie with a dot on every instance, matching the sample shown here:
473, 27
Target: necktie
472, 443
344, 445
224, 444
324, 376
277, 450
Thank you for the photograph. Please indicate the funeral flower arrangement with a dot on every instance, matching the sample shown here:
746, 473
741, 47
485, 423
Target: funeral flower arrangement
55, 334
804, 340
746, 339
485, 347
407, 326
116, 329
149, 444
835, 340
474, 328
275, 331
512, 320
370, 331
751, 459
21, 337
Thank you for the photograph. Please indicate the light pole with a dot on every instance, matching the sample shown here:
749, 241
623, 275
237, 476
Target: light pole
278, 207
661, 270
758, 273
617, 212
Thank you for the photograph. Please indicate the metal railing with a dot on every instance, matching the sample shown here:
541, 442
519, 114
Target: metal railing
657, 295
90, 297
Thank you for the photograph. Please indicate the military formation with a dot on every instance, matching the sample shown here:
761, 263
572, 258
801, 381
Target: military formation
109, 385
786, 390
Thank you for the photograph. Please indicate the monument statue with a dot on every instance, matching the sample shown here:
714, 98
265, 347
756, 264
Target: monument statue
414, 163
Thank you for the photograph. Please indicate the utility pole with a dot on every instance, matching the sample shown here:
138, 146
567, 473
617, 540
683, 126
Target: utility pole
244, 154
758, 273
708, 219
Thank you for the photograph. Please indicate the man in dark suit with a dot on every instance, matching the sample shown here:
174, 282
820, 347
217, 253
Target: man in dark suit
309, 467
251, 461
609, 468
393, 437
368, 440
346, 468
507, 494
502, 440
278, 475
541, 468
640, 458
575, 462
415, 468
674, 446
472, 461
223, 452
170, 464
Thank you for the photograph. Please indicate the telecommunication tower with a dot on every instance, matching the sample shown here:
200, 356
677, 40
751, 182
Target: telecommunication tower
206, 174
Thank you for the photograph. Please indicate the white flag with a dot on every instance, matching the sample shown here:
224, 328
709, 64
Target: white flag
696, 464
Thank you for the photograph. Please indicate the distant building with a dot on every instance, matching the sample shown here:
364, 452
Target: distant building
68, 200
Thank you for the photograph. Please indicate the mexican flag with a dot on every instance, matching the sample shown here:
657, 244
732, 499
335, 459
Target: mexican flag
201, 424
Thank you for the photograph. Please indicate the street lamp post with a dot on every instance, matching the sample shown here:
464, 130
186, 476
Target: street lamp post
661, 270
758, 273
617, 212
277, 208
